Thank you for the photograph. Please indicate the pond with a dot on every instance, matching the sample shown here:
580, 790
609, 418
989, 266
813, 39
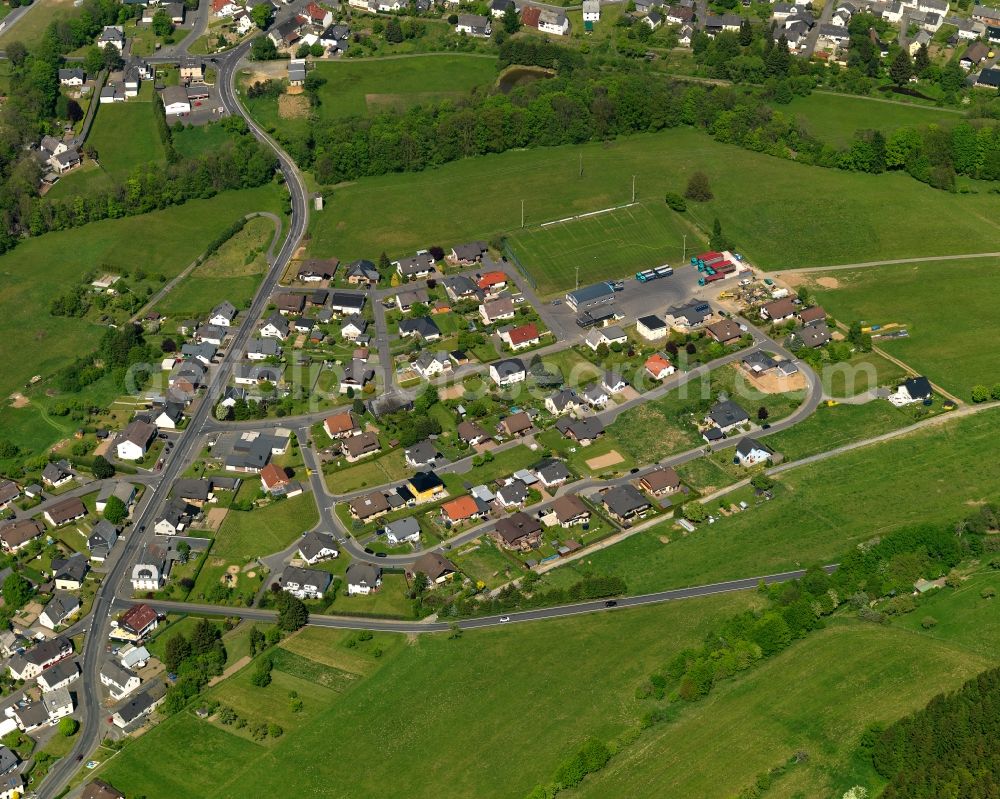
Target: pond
514, 77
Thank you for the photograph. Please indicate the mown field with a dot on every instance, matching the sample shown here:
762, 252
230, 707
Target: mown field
614, 244
423, 745
125, 136
849, 224
947, 341
161, 242
249, 534
834, 118
30, 27
933, 475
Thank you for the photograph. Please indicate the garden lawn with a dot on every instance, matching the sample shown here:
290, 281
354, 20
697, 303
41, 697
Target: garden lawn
369, 473
196, 140
819, 510
614, 244
864, 372
163, 242
946, 342
249, 534
817, 696
120, 154
390, 600
834, 118
608, 653
850, 226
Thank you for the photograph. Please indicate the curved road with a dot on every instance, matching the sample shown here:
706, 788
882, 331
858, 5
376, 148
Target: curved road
186, 446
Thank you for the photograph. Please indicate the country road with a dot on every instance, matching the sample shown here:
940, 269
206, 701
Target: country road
889, 262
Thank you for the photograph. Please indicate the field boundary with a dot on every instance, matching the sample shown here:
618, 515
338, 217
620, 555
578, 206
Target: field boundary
590, 214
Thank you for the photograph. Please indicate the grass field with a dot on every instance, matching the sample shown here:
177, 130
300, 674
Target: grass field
850, 225
818, 511
249, 534
476, 676
162, 242
31, 26
863, 372
119, 154
233, 274
947, 347
195, 140
833, 118
613, 244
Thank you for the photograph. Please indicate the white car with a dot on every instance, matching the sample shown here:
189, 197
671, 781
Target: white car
504, 619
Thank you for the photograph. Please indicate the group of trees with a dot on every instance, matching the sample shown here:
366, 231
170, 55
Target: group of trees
946, 749
523, 597
119, 349
194, 660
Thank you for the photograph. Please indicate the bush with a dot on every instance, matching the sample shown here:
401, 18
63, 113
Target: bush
928, 622
68, 726
675, 201
698, 188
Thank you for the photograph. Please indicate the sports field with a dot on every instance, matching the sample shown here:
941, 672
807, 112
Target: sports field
612, 244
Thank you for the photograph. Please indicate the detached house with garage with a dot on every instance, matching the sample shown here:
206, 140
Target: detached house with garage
751, 452
910, 391
625, 503
305, 583
363, 578
518, 531
316, 547
778, 311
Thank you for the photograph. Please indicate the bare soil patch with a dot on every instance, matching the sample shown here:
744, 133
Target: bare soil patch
456, 391
603, 461
18, 400
771, 383
214, 518
293, 106
828, 282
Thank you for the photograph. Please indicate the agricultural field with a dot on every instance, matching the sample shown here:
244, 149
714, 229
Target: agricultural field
834, 118
163, 242
472, 679
249, 534
30, 27
850, 225
947, 348
613, 244
233, 273
931, 475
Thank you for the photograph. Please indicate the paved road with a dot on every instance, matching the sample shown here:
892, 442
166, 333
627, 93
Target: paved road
186, 447
557, 611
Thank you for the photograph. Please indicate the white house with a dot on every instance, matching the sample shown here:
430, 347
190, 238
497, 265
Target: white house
305, 583
314, 547
113, 35
150, 571
750, 452
554, 22
363, 578
223, 314
403, 531
61, 675
119, 681
134, 440
429, 364
606, 336
912, 390
651, 328
591, 10
175, 101
508, 372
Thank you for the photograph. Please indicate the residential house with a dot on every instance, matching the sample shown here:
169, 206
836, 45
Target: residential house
195, 491
474, 25
362, 273
8, 493
658, 366
507, 372
202, 351
460, 288
726, 22
138, 621
275, 326
62, 606
683, 15
563, 401
211, 334
430, 364
591, 11
974, 55
597, 396
151, 569
758, 363
422, 327
403, 531
552, 473
518, 338
569, 510
750, 452
462, 509
341, 425
319, 16
607, 336
356, 375
286, 33
583, 431
405, 300
134, 657
613, 382
224, 8
471, 433
56, 474
661, 481
315, 547
172, 413
688, 316
305, 583
651, 328
72, 77
517, 531
276, 482
316, 270
725, 332
290, 304
131, 713
369, 506
260, 349
173, 519
58, 703
493, 282
29, 715
727, 415
256, 374
517, 424
437, 568
425, 487
98, 789
113, 35
119, 681
175, 101
512, 495
29, 664
134, 441
363, 578
653, 19
223, 314
124, 492
552, 21
779, 310
624, 503
812, 314
69, 573
422, 454
66, 511
61, 675
912, 390
18, 534
418, 266
472, 252
496, 310
361, 446
814, 335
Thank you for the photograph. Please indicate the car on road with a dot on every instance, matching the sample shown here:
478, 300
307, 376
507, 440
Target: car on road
369, 551
611, 604
504, 619
380, 555
556, 302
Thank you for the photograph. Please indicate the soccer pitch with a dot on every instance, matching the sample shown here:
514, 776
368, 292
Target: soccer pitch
608, 245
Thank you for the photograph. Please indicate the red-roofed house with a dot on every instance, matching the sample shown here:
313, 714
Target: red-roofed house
520, 337
273, 478
224, 8
341, 425
139, 620
460, 510
530, 15
659, 367
319, 16
493, 281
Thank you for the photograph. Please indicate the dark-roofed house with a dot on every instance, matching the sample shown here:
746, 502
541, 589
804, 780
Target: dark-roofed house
815, 335
315, 270
369, 506
66, 511
173, 518
651, 328
315, 547
551, 472
569, 510
470, 253
60, 607
138, 708
417, 266
688, 316
422, 454
150, 570
305, 583
69, 573
517, 424
115, 488
34, 661
518, 531
437, 567
423, 327
425, 487
361, 446
758, 362
363, 273
911, 390
779, 310
193, 490
59, 675
98, 789
290, 303
363, 578
563, 401
727, 415
625, 502
660, 481
471, 433
583, 431
8, 492
512, 495
56, 474
119, 681
725, 332
17, 534
750, 452
814, 313
403, 531
507, 372
134, 440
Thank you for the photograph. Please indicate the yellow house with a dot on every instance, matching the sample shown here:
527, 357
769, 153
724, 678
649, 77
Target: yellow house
426, 487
